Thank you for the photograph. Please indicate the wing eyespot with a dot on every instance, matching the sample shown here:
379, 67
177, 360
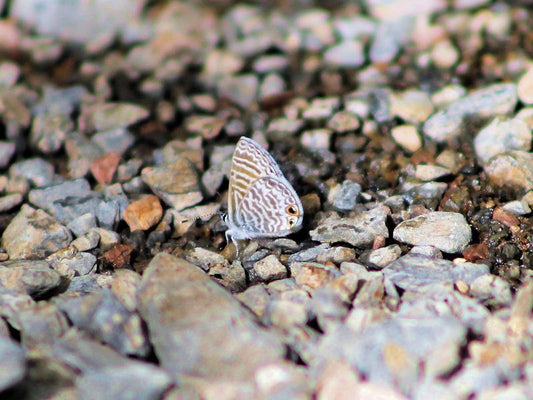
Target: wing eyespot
292, 210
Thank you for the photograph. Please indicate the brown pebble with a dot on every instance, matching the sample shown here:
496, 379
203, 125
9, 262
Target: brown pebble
143, 214
476, 252
118, 255
505, 217
104, 167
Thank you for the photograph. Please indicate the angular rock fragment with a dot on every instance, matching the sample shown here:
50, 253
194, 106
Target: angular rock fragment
190, 319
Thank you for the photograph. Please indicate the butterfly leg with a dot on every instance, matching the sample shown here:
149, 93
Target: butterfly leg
235, 241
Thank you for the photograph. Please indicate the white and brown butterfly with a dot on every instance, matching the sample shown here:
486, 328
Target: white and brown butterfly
261, 201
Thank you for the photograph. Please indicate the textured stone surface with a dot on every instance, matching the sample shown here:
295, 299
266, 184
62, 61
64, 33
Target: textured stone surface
414, 271
34, 234
176, 184
448, 232
35, 278
360, 230
176, 297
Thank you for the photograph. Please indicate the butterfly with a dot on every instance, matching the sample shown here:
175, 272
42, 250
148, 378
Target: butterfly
261, 201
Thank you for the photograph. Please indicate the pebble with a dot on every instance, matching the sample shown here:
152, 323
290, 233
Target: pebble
124, 288
190, 149
311, 274
41, 324
426, 172
384, 256
252, 44
256, 298
221, 62
87, 241
9, 73
185, 298
353, 27
270, 268
270, 63
329, 308
128, 170
12, 364
407, 136
525, 87
492, 100
212, 179
7, 150
285, 126
390, 37
321, 253
68, 200
114, 141
413, 106
359, 231
512, 168
80, 263
321, 108
60, 101
81, 153
393, 9
35, 278
447, 231
394, 359
106, 319
344, 121
502, 136
177, 184
518, 207
49, 131
43, 235
111, 116
79, 22
82, 224
206, 126
286, 314
103, 169
143, 214
344, 196
206, 259
447, 95
357, 106
10, 201
97, 361
106, 238
491, 290
316, 139
240, 89
204, 102
445, 55
526, 114
428, 251
36, 170
272, 85
145, 380
413, 272
347, 54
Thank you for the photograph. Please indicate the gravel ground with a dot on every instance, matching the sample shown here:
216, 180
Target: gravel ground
404, 126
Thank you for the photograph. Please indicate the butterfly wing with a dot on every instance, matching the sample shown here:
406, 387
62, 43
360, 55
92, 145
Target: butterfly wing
270, 208
250, 162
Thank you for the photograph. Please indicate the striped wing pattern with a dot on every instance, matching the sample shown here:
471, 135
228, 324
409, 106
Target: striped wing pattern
259, 195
